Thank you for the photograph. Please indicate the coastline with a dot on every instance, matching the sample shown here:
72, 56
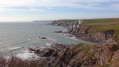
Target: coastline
84, 32
67, 55
59, 55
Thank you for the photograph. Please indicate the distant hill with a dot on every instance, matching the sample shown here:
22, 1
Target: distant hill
43, 21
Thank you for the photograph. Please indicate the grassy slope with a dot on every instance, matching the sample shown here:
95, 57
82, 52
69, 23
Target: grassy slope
99, 21
99, 25
108, 25
68, 21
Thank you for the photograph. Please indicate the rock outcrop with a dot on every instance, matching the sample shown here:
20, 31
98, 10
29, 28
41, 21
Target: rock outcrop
59, 23
59, 31
43, 38
88, 32
80, 55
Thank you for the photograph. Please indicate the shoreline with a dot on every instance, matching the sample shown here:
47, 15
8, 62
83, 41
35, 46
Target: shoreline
76, 29
67, 55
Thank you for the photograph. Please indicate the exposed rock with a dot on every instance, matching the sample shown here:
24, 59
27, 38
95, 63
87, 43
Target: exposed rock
88, 33
81, 55
66, 32
59, 31
59, 23
69, 35
43, 38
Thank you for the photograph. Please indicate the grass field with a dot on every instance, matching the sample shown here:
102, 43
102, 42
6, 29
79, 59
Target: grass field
103, 24
67, 21
100, 21
107, 27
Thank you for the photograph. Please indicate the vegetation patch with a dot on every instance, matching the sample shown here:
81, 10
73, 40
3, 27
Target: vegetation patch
78, 46
97, 26
99, 21
67, 21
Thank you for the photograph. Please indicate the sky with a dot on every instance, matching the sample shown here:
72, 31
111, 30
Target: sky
35, 10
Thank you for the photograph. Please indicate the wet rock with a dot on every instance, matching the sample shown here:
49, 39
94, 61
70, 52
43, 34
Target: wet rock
69, 35
32, 49
66, 32
59, 31
48, 53
43, 38
37, 51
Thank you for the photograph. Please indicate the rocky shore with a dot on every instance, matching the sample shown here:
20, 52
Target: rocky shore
80, 55
59, 55
105, 54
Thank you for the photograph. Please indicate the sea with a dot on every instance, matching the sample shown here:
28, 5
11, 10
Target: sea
16, 37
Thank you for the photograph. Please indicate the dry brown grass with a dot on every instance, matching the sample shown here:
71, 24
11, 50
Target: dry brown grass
17, 62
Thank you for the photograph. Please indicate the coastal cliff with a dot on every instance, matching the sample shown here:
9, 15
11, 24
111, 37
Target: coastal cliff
93, 30
81, 55
64, 23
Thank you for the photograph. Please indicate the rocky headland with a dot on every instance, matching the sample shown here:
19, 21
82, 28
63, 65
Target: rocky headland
93, 30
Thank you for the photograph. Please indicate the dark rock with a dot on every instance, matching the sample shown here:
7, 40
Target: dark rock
66, 32
37, 51
48, 53
59, 31
81, 55
31, 49
43, 38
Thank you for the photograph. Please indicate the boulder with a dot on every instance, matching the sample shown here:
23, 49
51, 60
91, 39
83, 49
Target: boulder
59, 31
43, 38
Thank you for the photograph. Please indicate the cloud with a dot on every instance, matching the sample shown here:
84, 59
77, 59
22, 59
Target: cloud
51, 3
32, 6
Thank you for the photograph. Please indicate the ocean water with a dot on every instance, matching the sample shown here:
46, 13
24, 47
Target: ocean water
17, 37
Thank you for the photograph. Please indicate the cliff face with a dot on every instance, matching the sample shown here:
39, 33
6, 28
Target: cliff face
80, 55
87, 32
64, 23
57, 23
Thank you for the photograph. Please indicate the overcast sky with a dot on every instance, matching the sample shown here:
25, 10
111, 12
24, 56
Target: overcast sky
29, 10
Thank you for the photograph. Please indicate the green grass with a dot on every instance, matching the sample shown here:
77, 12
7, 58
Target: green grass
98, 27
98, 21
68, 21
116, 36
107, 27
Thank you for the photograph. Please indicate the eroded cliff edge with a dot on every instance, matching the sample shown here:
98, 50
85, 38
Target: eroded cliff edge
102, 31
80, 55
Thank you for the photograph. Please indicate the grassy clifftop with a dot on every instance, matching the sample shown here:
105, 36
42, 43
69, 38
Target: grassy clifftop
100, 21
103, 25
66, 21
96, 29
